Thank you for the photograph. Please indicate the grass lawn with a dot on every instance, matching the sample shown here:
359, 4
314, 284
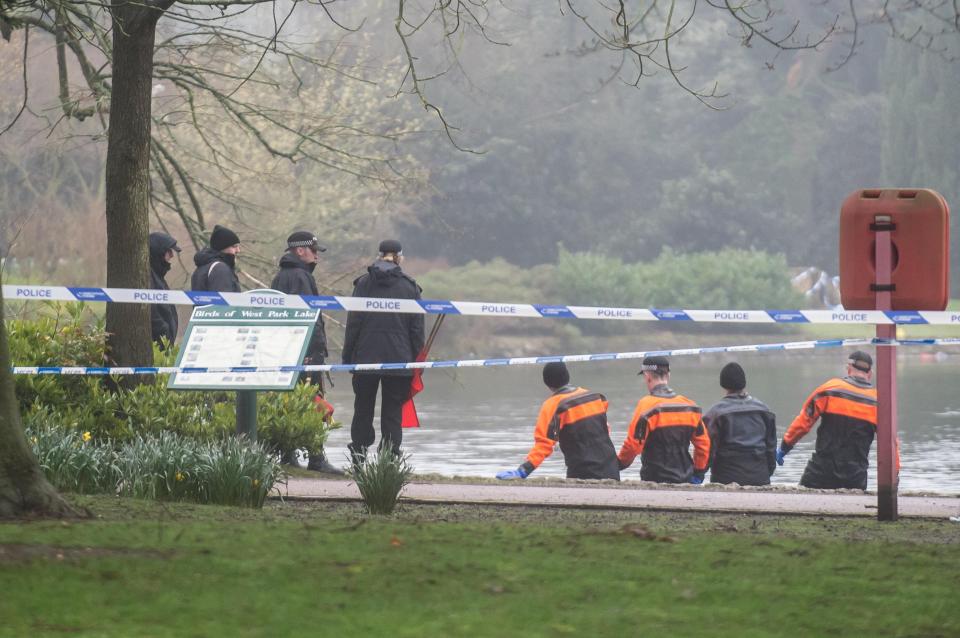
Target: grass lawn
327, 569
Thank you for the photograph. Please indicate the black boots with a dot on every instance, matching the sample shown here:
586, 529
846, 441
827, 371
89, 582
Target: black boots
318, 463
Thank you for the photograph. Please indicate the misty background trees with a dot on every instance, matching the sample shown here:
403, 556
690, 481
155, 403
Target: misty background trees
563, 152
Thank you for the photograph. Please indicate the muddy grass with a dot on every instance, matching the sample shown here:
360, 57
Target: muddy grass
858, 528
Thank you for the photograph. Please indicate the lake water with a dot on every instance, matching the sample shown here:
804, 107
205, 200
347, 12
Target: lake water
477, 421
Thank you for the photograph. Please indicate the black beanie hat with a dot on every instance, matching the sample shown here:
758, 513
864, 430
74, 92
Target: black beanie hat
390, 246
732, 377
555, 374
222, 237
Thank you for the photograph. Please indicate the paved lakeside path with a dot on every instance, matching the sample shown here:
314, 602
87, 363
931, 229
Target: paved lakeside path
635, 496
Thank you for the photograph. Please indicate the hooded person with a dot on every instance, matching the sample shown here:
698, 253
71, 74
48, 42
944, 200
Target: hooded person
163, 317
382, 337
216, 264
295, 277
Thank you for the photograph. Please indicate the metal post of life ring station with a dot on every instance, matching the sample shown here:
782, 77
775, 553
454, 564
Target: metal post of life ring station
894, 255
887, 478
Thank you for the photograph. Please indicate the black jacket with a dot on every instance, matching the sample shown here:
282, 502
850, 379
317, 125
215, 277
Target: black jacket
384, 337
216, 272
743, 440
296, 278
163, 318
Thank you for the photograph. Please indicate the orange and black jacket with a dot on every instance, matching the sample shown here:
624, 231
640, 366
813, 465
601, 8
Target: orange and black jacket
577, 419
663, 426
847, 409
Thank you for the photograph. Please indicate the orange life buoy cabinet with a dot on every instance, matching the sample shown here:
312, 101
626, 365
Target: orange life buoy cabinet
919, 223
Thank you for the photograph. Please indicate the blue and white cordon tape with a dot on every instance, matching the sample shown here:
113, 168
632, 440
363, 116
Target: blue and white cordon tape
497, 309
480, 363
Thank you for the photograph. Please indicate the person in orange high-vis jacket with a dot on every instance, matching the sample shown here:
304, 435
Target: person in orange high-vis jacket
576, 418
847, 409
663, 426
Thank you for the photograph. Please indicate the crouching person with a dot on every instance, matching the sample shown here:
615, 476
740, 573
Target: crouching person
576, 418
663, 426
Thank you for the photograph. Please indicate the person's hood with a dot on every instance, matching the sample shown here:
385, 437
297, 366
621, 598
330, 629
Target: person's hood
159, 244
289, 260
208, 255
383, 273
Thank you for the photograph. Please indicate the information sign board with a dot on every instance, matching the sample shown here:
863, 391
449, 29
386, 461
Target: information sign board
223, 336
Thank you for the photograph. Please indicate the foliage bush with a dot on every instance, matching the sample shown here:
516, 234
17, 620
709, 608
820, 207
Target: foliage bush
70, 336
162, 466
288, 421
496, 280
726, 279
381, 478
60, 335
72, 463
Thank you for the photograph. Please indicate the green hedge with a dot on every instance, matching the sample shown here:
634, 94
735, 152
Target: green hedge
727, 279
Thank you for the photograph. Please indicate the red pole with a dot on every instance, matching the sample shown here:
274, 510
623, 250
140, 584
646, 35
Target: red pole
887, 479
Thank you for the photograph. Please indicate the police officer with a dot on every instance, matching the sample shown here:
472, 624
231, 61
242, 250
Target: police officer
295, 277
847, 409
663, 426
216, 264
576, 419
164, 322
382, 337
743, 433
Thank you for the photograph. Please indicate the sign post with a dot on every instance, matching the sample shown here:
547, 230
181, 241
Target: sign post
223, 336
887, 478
894, 255
247, 414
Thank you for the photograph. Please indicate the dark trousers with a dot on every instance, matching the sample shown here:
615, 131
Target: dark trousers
396, 389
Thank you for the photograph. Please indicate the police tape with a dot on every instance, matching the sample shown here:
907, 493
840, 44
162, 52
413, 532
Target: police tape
473, 308
481, 363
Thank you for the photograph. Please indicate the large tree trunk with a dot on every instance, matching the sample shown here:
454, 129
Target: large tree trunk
128, 181
24, 491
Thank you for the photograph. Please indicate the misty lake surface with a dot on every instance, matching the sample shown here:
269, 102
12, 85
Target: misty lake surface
477, 421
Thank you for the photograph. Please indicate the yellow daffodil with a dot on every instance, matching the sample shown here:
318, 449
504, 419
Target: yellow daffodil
35, 441
180, 476
256, 482
86, 437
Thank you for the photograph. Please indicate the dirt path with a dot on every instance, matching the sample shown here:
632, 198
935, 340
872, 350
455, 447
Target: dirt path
636, 496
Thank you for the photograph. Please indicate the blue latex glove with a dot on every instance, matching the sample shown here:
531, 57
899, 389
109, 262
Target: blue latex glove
507, 475
780, 455
696, 479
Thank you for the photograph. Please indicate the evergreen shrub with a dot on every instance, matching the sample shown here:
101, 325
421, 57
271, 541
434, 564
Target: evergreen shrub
68, 335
